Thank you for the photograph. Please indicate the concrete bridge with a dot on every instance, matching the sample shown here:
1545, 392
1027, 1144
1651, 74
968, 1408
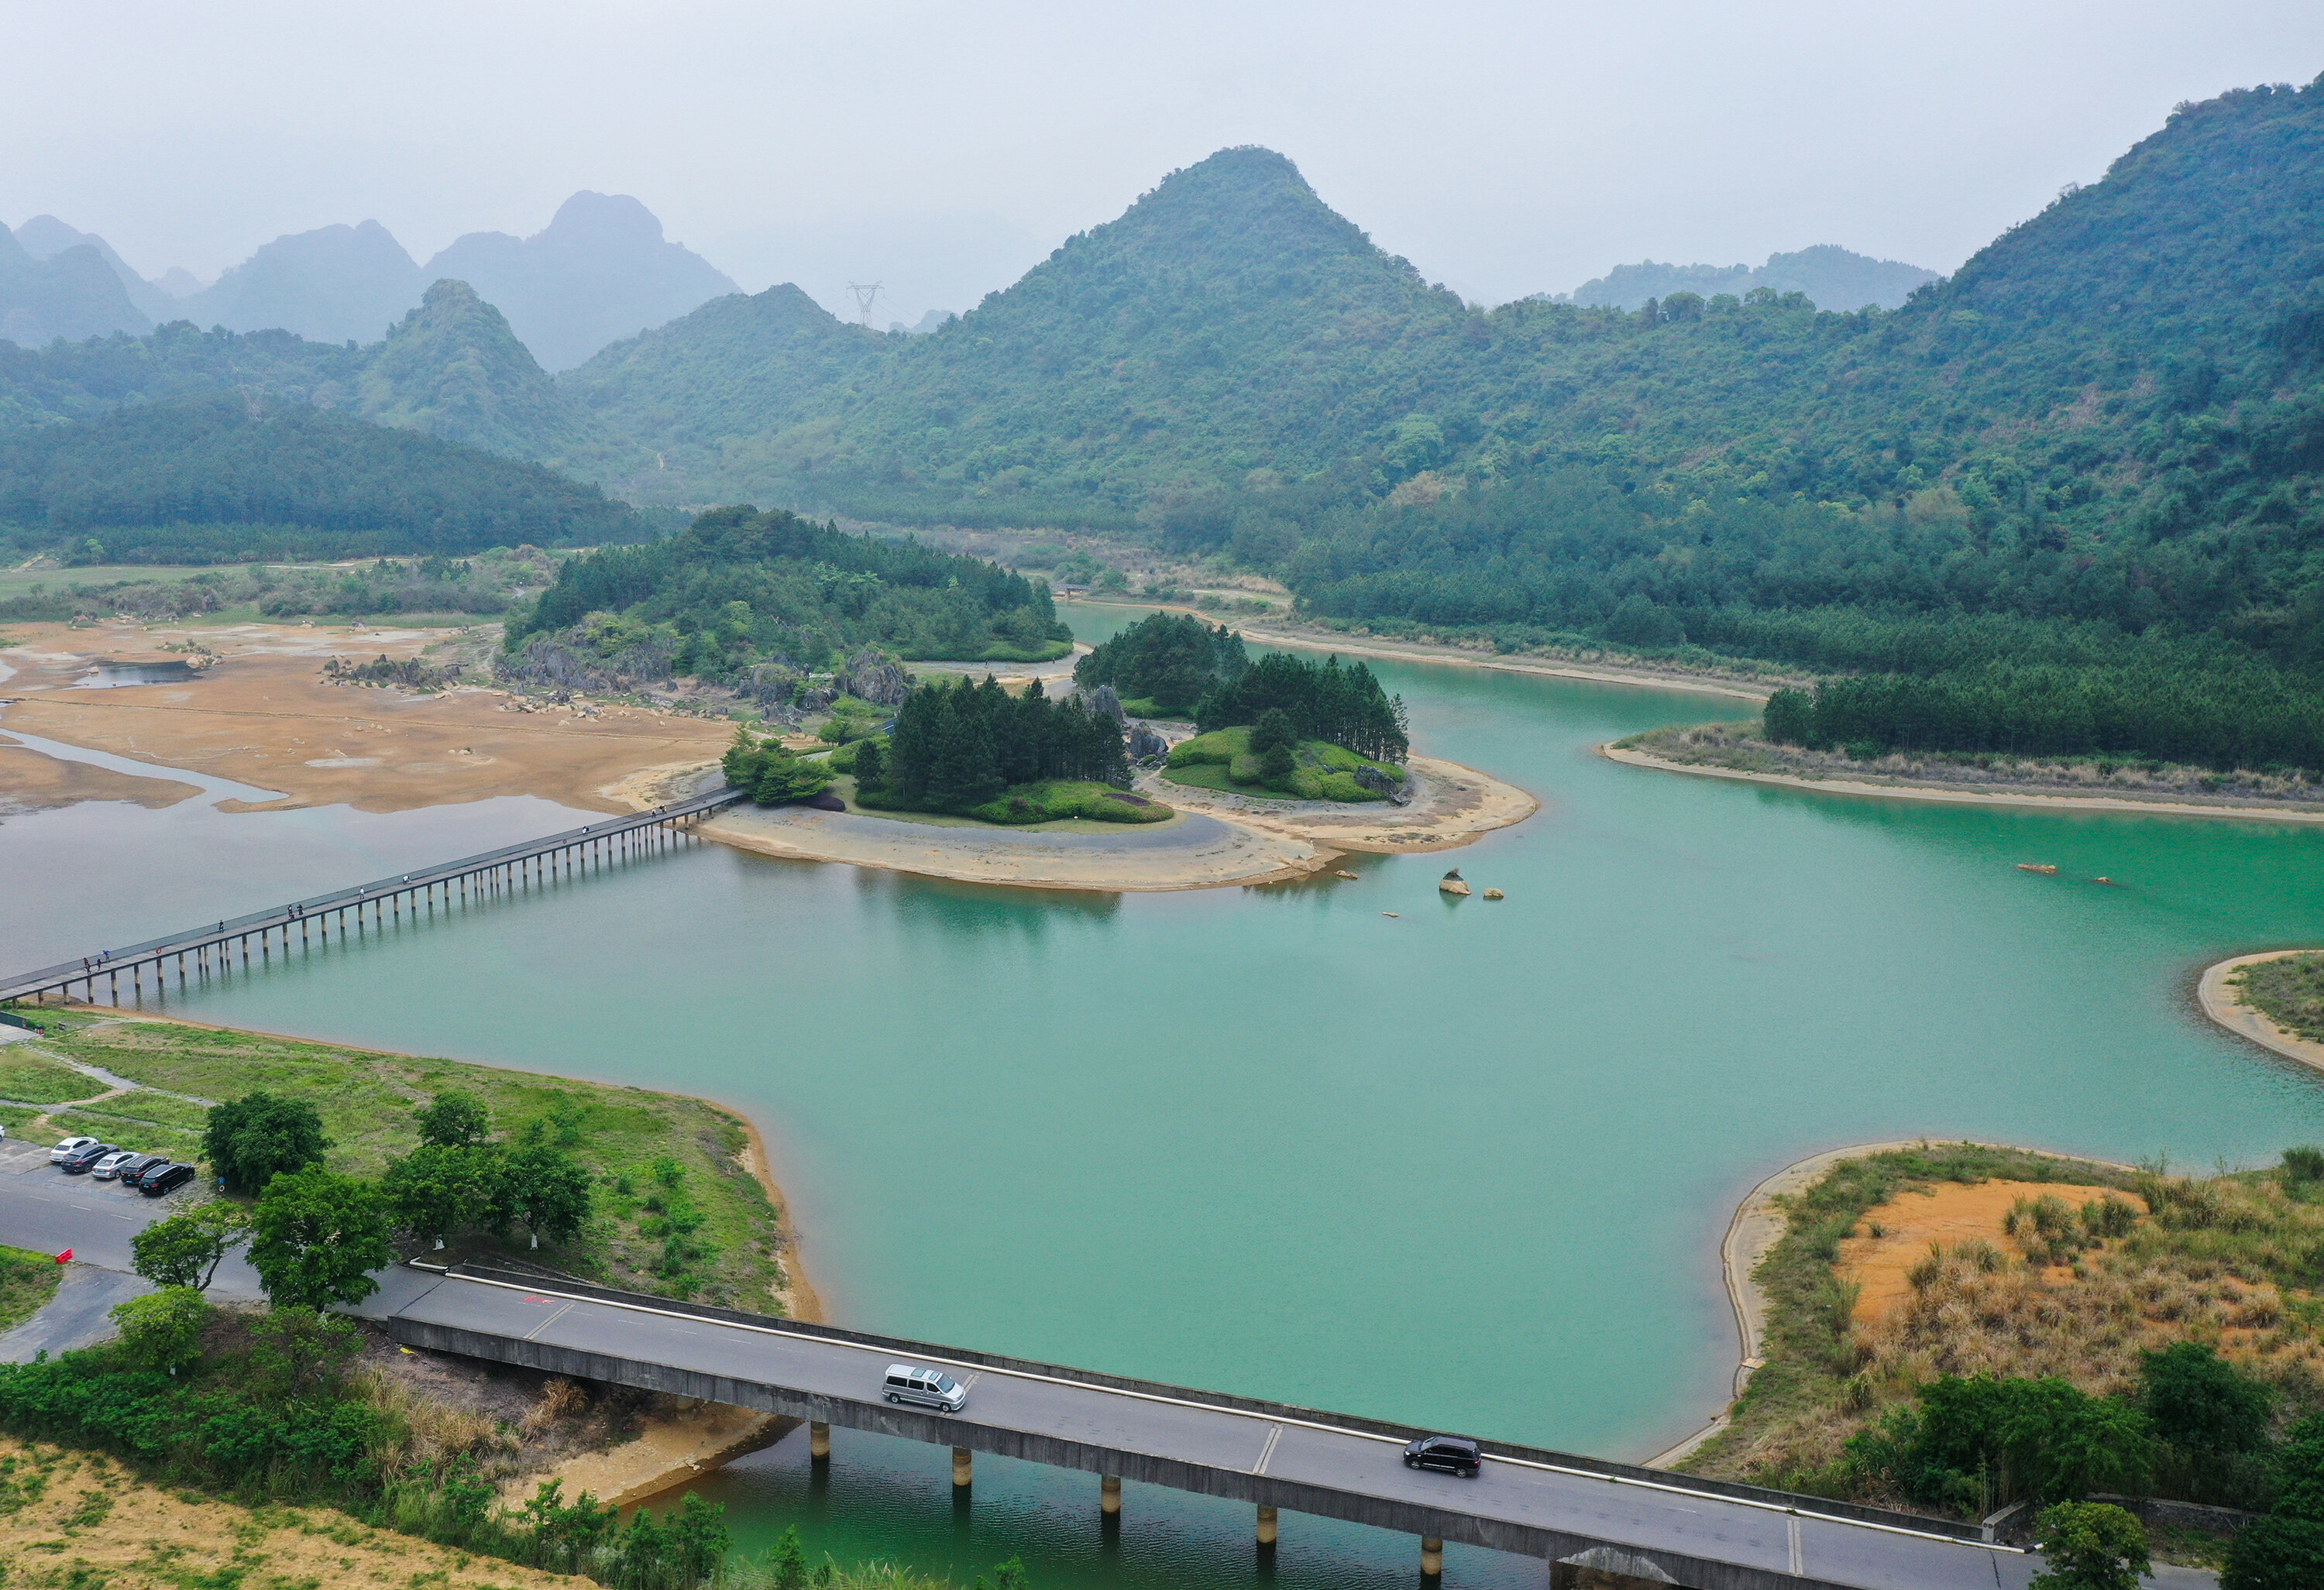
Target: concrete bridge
203, 951
1592, 1523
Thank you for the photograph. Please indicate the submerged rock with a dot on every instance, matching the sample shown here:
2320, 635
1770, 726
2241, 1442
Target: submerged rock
1452, 883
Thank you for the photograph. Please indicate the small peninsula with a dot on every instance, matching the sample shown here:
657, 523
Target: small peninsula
1288, 764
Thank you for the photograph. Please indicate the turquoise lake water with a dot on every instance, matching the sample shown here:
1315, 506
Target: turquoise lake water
1466, 1167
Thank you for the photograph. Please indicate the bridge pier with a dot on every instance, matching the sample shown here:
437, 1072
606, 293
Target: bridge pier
1432, 1557
819, 1441
1267, 1529
961, 1471
1109, 1494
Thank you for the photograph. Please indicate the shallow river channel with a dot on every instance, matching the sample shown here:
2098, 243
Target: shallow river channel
1466, 1166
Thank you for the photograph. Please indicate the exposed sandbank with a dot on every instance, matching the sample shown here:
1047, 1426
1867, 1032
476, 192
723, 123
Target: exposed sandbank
33, 781
1450, 805
265, 715
1190, 851
1965, 797
2219, 1001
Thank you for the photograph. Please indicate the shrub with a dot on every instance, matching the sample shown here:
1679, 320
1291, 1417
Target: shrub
2091, 1546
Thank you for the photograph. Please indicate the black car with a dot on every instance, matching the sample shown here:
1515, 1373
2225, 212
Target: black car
163, 1178
80, 1163
1457, 1454
135, 1171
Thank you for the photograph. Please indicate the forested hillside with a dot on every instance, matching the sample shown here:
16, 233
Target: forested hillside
454, 369
753, 598
1831, 278
215, 479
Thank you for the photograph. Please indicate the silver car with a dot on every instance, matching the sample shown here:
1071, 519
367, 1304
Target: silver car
930, 1388
67, 1148
112, 1164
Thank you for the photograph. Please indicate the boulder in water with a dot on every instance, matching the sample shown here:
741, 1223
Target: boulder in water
1452, 883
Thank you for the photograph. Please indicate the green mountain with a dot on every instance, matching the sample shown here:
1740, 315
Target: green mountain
600, 269
454, 369
1833, 278
70, 294
223, 479
737, 366
333, 284
45, 236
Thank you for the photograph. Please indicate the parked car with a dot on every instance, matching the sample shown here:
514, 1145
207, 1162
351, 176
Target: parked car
133, 1169
1455, 1454
930, 1388
163, 1178
69, 1147
80, 1160
114, 1163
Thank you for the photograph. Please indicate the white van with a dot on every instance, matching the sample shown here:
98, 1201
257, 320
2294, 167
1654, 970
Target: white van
930, 1388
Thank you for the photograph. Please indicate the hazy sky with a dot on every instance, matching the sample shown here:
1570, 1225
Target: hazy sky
1504, 148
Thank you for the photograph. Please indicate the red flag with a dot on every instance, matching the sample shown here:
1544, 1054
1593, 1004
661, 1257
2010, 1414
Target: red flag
65, 1257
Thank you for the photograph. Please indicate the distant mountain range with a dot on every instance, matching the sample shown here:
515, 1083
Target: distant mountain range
2113, 412
1833, 278
599, 272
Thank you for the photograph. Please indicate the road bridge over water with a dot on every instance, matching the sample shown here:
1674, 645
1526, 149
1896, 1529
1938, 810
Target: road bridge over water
212, 949
1576, 1513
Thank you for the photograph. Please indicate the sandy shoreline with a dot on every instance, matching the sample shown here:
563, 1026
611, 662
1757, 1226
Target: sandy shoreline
2219, 1003
1755, 1227
1963, 797
1216, 841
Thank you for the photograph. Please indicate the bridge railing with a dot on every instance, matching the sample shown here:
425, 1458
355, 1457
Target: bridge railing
274, 916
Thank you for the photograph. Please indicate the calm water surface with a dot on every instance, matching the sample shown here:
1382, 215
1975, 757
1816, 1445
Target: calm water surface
1467, 1166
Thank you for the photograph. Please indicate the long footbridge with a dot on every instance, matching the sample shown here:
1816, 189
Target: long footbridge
1592, 1523
310, 923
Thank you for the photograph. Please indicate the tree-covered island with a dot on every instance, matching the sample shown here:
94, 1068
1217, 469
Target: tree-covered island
1281, 727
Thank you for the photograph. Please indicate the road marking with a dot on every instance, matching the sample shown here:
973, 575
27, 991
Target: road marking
1268, 1451
970, 1384
1793, 1525
552, 1319
1336, 1429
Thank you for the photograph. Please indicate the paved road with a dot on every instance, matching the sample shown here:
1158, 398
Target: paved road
1344, 1462
47, 1212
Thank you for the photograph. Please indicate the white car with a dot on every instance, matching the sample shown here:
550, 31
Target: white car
67, 1148
931, 1388
112, 1164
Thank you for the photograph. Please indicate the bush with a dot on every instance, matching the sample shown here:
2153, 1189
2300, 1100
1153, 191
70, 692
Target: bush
2199, 1403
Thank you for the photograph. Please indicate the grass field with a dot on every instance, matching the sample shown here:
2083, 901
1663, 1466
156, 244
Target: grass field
1223, 760
27, 1280
654, 1154
26, 1079
18, 582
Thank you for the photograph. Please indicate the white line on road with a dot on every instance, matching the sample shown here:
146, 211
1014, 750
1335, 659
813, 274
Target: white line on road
1273, 1435
549, 1321
1797, 1571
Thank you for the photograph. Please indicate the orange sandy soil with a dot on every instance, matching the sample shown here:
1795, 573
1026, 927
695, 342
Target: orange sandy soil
264, 715
1949, 1213
87, 1521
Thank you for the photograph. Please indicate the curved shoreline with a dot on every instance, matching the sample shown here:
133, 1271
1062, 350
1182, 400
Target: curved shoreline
1215, 841
1961, 797
1755, 1228
2219, 1003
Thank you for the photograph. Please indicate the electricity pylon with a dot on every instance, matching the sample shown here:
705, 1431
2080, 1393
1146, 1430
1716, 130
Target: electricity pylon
865, 291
